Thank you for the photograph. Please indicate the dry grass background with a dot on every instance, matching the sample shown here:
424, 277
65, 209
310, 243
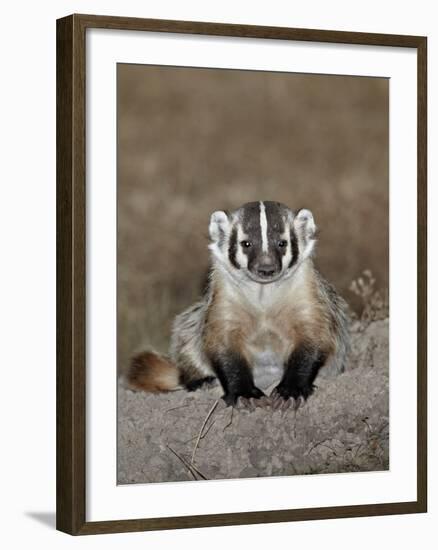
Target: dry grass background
191, 141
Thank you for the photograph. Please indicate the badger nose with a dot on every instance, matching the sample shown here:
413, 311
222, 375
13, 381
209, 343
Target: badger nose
266, 267
264, 272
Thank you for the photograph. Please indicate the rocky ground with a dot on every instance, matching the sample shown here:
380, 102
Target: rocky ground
344, 426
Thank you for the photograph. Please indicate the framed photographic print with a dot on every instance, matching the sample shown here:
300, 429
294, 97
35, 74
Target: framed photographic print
241, 274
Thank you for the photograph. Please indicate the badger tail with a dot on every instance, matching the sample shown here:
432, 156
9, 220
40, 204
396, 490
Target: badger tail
152, 372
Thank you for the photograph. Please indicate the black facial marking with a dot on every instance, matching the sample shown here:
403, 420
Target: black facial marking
235, 377
275, 217
232, 248
250, 221
300, 372
276, 214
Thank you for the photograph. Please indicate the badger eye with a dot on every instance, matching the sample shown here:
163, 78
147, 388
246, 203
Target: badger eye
282, 244
246, 244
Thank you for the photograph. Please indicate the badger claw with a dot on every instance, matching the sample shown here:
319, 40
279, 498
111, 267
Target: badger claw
245, 401
282, 402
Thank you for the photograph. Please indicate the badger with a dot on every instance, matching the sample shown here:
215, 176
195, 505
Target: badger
268, 319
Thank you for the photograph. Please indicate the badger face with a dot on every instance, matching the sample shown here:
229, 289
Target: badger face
262, 241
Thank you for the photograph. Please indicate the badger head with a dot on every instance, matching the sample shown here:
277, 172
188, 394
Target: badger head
261, 241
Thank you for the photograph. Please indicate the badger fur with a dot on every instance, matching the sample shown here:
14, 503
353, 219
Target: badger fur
267, 316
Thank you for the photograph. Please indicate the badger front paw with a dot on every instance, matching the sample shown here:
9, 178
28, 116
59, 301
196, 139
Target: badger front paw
231, 398
298, 394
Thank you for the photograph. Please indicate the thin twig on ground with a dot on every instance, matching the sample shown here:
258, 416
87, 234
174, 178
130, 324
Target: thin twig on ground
318, 444
364, 420
295, 423
231, 420
192, 469
199, 472
175, 408
210, 412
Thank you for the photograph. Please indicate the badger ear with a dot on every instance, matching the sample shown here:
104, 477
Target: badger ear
219, 226
304, 223
305, 228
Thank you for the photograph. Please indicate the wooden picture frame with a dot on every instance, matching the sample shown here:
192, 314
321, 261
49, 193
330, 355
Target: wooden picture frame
71, 273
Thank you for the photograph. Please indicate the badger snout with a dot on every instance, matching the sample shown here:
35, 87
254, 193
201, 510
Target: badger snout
266, 267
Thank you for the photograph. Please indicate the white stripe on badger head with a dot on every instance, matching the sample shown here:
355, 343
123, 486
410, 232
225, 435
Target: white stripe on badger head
241, 258
264, 227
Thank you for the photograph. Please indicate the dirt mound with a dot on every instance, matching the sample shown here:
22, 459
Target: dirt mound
343, 427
